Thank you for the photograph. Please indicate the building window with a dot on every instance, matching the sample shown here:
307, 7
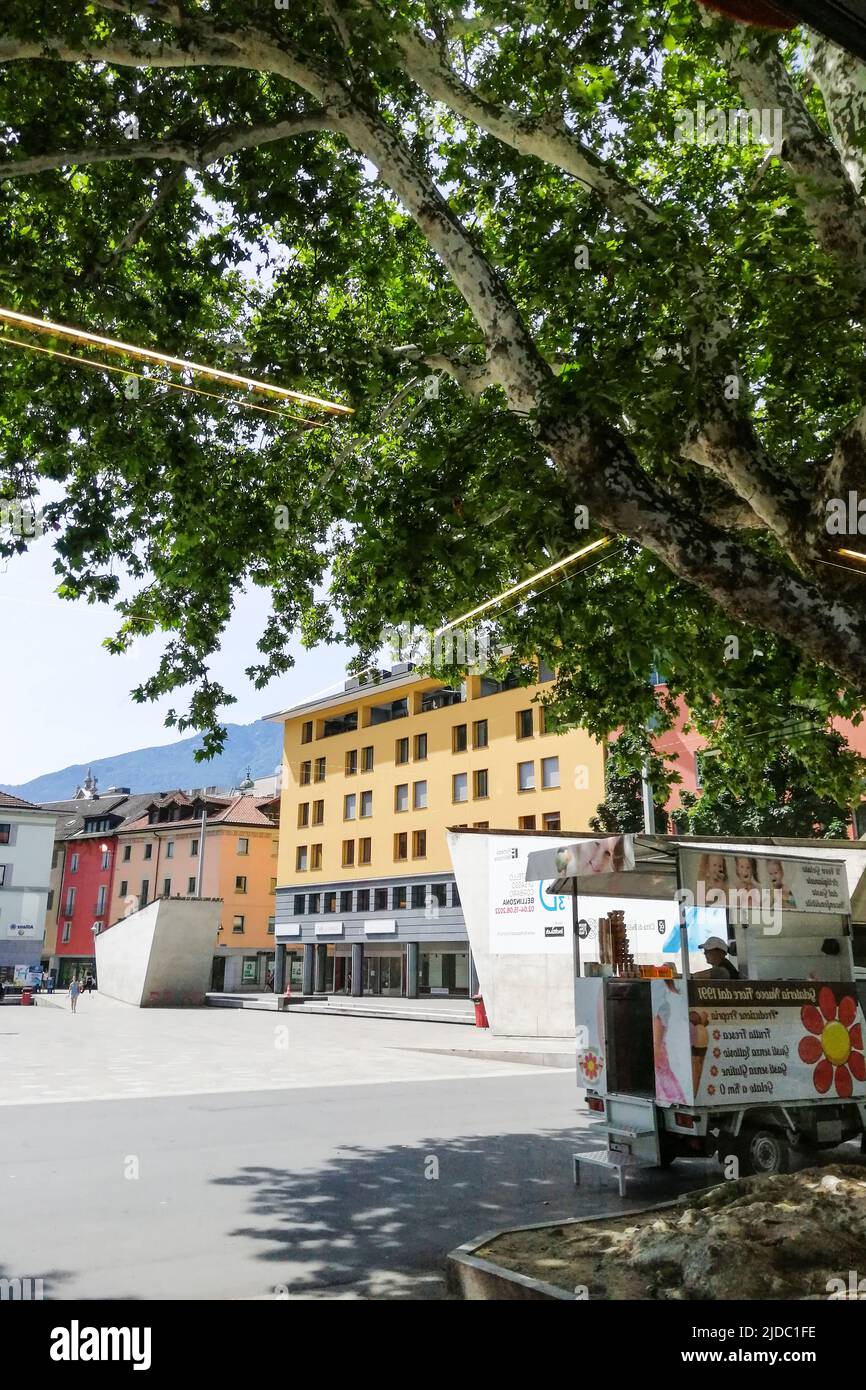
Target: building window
479, 733
419, 895
366, 805
237, 925
299, 905
458, 738
166, 888
351, 762
301, 859
273, 887
550, 820
145, 892
367, 759
348, 853
365, 850
316, 857
73, 864
190, 886
524, 723
193, 849
124, 888
479, 784
550, 772
459, 787
419, 844
127, 853
545, 673
5, 834
70, 902
272, 926
455, 895
401, 845
169, 849
363, 900
480, 824
439, 893
321, 764
420, 748
401, 750
350, 804
303, 814
380, 900
398, 898
526, 777
243, 845
100, 900
401, 797
240, 883
329, 903
106, 858
67, 928
346, 900
419, 796
314, 904
526, 822
148, 851
306, 773
3, 871
307, 731
318, 813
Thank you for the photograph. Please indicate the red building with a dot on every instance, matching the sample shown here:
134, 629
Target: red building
87, 829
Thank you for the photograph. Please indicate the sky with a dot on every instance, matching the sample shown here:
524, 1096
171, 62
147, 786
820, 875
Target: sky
65, 699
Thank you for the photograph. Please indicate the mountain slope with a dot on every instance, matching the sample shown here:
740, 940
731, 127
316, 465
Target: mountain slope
257, 746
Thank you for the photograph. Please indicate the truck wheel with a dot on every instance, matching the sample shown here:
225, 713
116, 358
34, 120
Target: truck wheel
763, 1151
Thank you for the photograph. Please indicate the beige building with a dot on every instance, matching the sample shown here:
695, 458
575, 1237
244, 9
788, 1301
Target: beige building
373, 777
159, 854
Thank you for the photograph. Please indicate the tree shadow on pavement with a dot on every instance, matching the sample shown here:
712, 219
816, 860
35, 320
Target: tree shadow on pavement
378, 1222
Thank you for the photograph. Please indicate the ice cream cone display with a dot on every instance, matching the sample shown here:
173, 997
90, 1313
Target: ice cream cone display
699, 1036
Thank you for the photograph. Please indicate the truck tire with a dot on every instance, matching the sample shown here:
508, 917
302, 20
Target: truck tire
763, 1151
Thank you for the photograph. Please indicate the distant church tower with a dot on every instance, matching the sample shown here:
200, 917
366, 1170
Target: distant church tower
90, 789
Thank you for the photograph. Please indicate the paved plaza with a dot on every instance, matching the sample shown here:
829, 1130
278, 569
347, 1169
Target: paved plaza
110, 1051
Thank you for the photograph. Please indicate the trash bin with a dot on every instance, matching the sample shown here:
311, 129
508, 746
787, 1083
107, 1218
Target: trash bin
480, 1012
27, 996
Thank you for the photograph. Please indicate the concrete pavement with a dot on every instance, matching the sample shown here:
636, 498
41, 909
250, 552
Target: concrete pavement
340, 1192
110, 1051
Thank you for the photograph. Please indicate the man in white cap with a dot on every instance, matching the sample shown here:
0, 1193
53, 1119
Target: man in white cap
720, 968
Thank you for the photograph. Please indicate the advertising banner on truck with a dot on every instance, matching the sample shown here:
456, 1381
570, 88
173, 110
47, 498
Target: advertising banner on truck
751, 1041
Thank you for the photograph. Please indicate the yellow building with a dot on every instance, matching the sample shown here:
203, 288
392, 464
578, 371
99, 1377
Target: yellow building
373, 777
158, 855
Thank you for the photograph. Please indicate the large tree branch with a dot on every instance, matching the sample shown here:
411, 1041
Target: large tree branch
749, 587
841, 79
217, 146
830, 202
550, 141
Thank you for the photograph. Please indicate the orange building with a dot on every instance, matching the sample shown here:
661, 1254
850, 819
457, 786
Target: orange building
168, 852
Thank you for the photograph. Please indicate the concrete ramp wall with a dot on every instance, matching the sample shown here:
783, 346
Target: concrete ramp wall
161, 955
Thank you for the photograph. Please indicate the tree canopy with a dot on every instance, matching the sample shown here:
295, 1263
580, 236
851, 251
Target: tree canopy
645, 323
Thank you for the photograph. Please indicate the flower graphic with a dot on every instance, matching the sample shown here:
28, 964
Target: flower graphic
590, 1063
833, 1044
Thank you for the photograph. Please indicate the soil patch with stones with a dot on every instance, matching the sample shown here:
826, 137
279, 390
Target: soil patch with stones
777, 1237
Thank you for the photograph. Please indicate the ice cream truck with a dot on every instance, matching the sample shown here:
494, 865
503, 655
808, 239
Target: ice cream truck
748, 1060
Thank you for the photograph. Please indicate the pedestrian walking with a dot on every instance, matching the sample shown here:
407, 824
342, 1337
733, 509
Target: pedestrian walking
51, 982
88, 983
2, 991
74, 991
